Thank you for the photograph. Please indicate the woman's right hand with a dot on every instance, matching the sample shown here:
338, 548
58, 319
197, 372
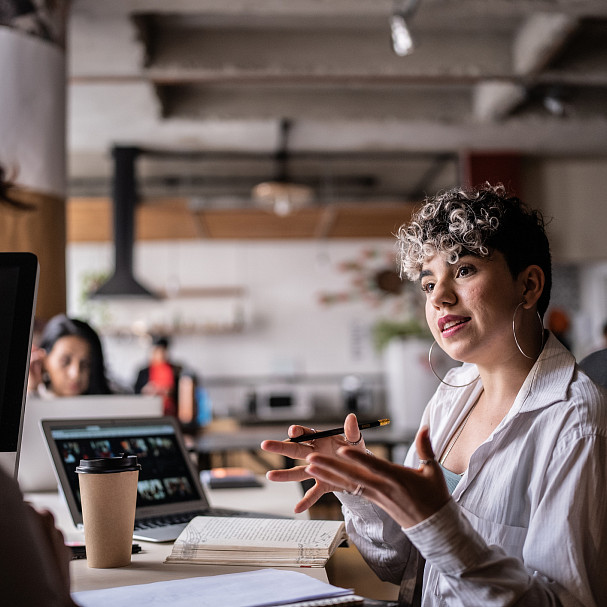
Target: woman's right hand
327, 446
34, 378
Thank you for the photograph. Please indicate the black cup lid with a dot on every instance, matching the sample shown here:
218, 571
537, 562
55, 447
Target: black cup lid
104, 465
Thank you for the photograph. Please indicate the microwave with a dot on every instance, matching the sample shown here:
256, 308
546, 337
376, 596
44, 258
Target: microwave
283, 402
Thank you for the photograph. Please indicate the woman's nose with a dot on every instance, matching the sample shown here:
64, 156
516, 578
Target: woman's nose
442, 294
74, 370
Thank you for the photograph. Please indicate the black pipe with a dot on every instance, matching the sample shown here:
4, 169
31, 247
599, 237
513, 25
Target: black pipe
124, 197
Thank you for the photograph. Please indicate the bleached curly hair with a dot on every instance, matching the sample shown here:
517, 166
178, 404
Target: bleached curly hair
476, 221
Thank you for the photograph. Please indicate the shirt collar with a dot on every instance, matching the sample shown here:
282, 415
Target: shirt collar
549, 378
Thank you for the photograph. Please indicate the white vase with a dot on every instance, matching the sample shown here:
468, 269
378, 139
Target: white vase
410, 382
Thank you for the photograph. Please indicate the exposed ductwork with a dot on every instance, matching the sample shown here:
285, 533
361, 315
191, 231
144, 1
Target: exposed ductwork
123, 283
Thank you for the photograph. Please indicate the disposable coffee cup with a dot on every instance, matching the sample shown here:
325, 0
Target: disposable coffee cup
108, 493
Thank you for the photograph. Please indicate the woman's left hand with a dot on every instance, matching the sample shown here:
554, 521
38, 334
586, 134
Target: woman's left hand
408, 495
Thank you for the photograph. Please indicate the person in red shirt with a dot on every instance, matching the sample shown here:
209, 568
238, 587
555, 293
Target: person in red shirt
161, 376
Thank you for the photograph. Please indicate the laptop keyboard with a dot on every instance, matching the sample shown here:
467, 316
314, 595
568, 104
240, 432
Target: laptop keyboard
186, 517
164, 520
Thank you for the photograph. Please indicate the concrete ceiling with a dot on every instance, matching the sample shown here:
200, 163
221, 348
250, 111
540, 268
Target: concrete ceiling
211, 82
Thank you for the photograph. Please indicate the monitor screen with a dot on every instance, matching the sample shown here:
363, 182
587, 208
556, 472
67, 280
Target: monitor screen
18, 285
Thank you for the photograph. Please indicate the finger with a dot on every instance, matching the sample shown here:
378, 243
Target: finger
337, 472
423, 445
330, 475
287, 448
294, 431
311, 496
351, 429
374, 466
287, 475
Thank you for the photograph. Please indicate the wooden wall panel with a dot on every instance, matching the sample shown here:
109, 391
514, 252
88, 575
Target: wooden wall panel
40, 231
90, 220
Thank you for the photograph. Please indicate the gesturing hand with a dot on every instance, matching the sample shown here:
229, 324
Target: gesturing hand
328, 446
408, 495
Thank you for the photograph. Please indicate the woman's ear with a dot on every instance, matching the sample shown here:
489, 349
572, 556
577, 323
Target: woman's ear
533, 280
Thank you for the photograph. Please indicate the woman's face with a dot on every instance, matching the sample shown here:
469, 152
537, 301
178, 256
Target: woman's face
469, 306
68, 365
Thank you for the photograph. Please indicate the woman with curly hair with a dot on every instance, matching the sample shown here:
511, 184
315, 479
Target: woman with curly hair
502, 499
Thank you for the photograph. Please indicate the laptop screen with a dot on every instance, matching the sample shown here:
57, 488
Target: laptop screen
167, 481
36, 468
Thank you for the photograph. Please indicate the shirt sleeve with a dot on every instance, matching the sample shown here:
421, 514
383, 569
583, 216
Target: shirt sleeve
379, 539
563, 550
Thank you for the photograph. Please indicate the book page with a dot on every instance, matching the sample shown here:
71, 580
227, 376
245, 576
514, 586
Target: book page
205, 531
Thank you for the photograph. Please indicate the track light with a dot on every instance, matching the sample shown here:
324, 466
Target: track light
281, 195
402, 40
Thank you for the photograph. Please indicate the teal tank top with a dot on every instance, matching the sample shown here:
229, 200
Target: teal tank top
451, 478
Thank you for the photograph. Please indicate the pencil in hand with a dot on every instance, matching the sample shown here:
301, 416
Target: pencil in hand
336, 431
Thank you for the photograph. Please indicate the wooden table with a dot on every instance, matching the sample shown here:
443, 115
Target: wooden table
148, 565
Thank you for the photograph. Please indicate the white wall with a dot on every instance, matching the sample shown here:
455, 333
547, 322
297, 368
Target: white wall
572, 192
286, 331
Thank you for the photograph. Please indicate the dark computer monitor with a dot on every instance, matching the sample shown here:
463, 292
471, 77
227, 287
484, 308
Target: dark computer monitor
18, 290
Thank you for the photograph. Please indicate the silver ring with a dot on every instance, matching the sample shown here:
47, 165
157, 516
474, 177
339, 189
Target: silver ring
425, 462
355, 442
358, 491
311, 440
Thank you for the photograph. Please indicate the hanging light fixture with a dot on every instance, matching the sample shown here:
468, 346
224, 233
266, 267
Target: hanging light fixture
402, 40
281, 195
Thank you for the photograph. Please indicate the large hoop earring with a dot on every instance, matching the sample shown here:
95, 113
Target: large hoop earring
440, 378
514, 332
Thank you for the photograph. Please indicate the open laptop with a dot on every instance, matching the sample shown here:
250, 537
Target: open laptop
18, 290
36, 468
169, 491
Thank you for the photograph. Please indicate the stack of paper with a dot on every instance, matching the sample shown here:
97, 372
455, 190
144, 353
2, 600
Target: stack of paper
248, 589
260, 542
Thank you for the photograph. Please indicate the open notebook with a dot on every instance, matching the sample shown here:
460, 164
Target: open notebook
169, 492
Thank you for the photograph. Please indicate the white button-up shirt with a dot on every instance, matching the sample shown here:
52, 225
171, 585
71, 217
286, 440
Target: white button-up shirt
527, 524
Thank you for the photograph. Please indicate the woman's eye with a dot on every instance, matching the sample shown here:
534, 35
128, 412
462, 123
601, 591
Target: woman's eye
428, 287
464, 271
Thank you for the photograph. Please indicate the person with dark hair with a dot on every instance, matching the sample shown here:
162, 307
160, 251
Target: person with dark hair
68, 360
160, 376
502, 498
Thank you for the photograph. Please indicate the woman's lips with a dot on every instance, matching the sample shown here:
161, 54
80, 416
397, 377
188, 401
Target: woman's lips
450, 324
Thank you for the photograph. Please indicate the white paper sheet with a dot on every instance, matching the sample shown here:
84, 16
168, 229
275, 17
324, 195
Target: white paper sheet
247, 589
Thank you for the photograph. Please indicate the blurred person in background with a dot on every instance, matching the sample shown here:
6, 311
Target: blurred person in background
67, 360
160, 376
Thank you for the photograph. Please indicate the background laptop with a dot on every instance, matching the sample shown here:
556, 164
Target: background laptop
169, 492
36, 468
